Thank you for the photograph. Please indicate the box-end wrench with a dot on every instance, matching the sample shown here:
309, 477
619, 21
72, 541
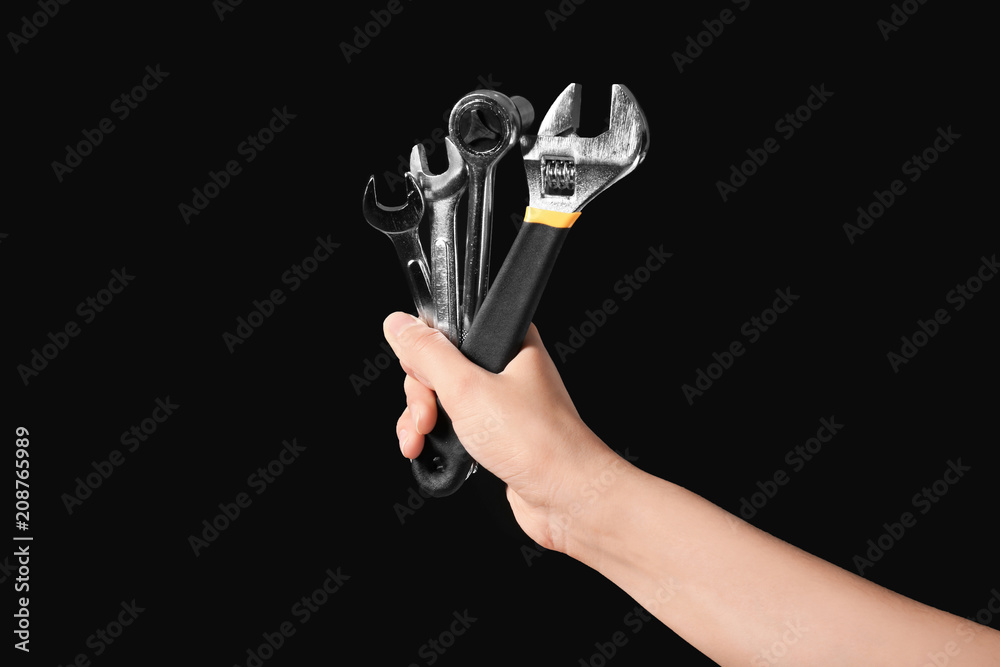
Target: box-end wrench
565, 172
401, 224
483, 125
442, 193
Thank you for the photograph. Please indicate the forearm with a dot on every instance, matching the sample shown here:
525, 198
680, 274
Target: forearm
742, 596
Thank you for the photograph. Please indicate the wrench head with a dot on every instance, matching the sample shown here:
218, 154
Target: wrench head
565, 171
394, 219
485, 124
439, 186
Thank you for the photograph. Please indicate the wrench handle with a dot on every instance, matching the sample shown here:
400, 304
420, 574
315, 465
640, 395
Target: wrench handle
501, 324
495, 338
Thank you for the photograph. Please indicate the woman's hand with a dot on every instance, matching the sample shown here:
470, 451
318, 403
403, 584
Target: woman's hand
519, 424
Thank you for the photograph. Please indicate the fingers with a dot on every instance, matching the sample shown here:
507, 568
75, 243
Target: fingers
411, 443
422, 405
417, 419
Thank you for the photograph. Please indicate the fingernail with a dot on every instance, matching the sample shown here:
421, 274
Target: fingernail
416, 420
398, 322
403, 437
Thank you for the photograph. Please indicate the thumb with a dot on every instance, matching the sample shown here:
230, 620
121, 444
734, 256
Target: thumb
426, 353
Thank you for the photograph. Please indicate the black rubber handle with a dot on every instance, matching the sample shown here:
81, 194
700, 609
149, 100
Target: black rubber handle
495, 338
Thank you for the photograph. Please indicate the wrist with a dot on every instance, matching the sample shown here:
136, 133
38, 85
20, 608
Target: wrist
591, 503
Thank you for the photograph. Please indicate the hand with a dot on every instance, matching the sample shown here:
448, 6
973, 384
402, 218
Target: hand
520, 424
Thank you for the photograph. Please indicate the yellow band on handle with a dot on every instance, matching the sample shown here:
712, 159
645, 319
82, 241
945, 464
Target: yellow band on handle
550, 218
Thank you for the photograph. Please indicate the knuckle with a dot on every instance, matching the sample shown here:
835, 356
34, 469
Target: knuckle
421, 340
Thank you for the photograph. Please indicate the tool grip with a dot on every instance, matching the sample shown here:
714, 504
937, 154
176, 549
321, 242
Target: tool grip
495, 338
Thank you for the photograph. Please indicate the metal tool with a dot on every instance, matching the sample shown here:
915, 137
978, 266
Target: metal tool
401, 224
565, 172
442, 193
483, 126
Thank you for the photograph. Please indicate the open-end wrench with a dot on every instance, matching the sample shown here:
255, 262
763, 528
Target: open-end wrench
401, 225
442, 193
565, 173
483, 126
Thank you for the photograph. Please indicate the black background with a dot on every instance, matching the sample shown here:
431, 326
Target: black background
339, 504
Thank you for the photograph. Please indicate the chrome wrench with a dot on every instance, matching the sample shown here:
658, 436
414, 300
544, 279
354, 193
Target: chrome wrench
401, 224
483, 126
442, 193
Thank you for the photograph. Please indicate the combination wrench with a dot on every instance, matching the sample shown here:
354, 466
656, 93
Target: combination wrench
401, 224
483, 126
565, 172
442, 193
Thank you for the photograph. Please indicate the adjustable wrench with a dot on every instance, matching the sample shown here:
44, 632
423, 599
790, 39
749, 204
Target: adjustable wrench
565, 172
442, 193
483, 126
401, 224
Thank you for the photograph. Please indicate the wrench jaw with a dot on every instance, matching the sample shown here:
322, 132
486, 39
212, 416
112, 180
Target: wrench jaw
563, 117
445, 184
565, 171
394, 219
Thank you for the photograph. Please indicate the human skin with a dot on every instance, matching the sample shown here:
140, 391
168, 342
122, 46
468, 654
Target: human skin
734, 592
